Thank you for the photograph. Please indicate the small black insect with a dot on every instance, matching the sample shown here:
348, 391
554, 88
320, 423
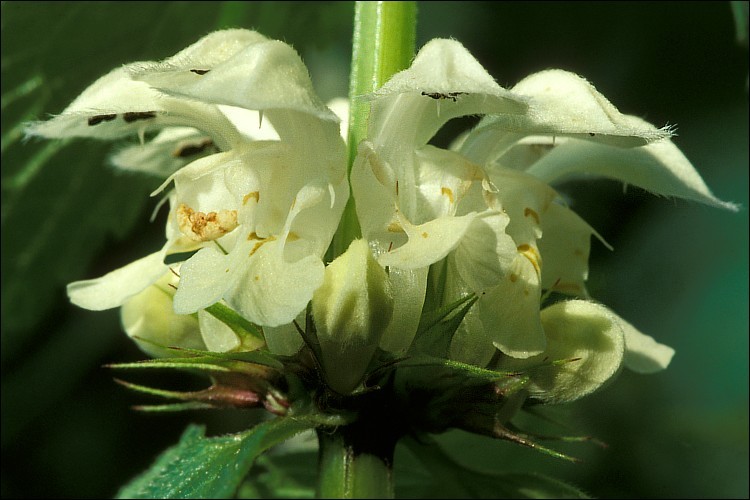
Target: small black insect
138, 115
438, 95
200, 71
96, 120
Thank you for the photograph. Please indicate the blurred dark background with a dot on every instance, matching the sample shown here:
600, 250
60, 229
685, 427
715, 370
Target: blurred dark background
679, 271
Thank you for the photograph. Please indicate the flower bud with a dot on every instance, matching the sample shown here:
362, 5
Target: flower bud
351, 310
149, 316
585, 348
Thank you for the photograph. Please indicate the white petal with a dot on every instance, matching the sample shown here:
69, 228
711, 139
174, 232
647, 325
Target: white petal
643, 354
217, 336
264, 75
408, 287
114, 288
204, 279
659, 167
115, 106
485, 253
471, 343
428, 242
524, 198
272, 291
509, 312
374, 187
171, 149
444, 82
560, 104
564, 103
213, 49
443, 179
444, 66
564, 247
91, 113
584, 334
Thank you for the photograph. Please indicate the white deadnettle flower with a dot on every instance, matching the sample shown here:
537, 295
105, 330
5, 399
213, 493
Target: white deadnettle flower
483, 214
261, 202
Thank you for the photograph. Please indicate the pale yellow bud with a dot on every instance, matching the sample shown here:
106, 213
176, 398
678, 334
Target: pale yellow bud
149, 319
351, 310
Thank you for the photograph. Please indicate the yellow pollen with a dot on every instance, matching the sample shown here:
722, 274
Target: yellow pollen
447, 192
255, 195
253, 236
200, 226
529, 212
292, 236
424, 235
513, 278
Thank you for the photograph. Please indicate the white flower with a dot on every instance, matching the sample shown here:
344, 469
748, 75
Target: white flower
260, 203
483, 214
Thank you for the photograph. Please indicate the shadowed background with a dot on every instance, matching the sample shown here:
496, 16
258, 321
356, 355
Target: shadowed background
679, 271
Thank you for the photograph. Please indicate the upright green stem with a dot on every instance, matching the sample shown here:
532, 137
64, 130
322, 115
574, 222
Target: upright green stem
383, 44
356, 460
350, 467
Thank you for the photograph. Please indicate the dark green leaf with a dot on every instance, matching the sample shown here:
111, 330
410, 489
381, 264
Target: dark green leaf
286, 475
210, 467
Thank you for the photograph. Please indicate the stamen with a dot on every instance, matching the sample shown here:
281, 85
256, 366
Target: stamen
200, 226
96, 120
192, 149
132, 116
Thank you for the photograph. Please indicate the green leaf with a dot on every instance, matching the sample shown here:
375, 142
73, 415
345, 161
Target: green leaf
284, 475
210, 467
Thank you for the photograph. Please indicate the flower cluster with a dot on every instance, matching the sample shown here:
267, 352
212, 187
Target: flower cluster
255, 173
254, 206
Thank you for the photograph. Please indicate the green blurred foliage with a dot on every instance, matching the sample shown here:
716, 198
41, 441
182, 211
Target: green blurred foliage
679, 271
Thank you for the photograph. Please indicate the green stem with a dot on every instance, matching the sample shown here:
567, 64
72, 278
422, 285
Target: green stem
354, 465
383, 44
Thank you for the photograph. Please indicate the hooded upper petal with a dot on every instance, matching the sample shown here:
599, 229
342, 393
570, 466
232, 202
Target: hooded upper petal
262, 75
659, 167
